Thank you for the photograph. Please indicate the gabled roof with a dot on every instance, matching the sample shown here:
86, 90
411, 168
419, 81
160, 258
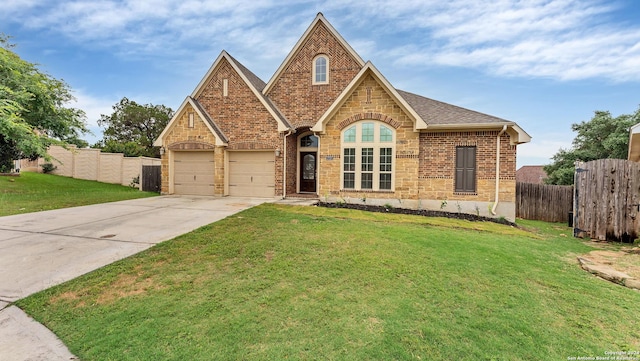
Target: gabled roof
369, 68
302, 40
253, 82
531, 174
207, 118
221, 139
443, 116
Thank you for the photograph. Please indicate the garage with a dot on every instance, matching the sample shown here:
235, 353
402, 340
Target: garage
252, 174
193, 173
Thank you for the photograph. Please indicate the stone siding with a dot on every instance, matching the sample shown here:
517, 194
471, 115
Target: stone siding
380, 107
180, 134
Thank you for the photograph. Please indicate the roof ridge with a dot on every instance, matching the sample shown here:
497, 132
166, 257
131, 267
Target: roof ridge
255, 80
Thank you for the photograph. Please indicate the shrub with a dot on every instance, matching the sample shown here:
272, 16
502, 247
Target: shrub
48, 167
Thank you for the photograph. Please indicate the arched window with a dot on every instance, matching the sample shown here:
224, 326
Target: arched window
321, 69
367, 156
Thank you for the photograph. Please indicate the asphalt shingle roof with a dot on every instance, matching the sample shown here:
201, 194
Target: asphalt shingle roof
436, 112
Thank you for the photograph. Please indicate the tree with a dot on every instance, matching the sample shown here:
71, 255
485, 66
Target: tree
132, 128
602, 137
33, 112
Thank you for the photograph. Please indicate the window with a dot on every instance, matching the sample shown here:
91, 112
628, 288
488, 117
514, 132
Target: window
191, 121
310, 141
349, 168
465, 169
321, 70
367, 149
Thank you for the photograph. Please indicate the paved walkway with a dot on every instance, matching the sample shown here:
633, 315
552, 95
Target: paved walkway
43, 249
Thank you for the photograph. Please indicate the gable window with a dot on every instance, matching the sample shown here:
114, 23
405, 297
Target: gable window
465, 169
367, 157
191, 120
321, 69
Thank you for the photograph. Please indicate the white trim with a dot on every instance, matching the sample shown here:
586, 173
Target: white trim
634, 143
300, 150
302, 40
314, 78
517, 134
376, 145
369, 68
159, 141
225, 87
224, 55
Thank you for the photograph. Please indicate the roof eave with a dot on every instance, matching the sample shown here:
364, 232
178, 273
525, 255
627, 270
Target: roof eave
634, 143
176, 115
419, 123
517, 134
301, 41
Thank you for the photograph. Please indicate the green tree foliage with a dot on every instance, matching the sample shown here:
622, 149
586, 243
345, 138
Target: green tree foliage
33, 111
601, 137
132, 128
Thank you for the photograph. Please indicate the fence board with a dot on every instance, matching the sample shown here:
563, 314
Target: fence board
606, 205
550, 203
151, 178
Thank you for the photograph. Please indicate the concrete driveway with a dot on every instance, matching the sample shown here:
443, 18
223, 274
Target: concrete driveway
43, 249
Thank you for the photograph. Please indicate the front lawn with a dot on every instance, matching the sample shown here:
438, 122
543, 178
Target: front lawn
303, 283
33, 192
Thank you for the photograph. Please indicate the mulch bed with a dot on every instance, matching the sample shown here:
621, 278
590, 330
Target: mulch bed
417, 212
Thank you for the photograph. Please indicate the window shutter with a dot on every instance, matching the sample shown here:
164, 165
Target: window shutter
465, 177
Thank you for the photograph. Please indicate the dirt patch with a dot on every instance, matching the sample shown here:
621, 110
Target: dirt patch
625, 260
620, 265
125, 286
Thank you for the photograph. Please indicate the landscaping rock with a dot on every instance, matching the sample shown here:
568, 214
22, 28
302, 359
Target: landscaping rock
632, 283
604, 272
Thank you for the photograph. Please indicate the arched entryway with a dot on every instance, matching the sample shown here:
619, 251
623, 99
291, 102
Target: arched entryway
307, 163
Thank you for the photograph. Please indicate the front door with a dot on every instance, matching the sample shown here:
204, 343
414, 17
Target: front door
308, 172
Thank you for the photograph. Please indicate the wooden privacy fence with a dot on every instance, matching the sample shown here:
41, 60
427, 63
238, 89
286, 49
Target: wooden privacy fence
543, 202
151, 178
606, 201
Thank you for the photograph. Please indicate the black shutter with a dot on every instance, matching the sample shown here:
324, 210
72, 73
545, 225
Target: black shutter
465, 180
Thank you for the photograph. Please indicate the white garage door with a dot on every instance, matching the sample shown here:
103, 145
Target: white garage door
252, 174
193, 173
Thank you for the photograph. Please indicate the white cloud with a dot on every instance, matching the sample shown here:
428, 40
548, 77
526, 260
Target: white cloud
93, 107
558, 39
540, 151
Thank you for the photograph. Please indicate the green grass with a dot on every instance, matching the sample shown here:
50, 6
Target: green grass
33, 192
279, 282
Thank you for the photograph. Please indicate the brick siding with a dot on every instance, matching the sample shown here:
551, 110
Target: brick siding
301, 102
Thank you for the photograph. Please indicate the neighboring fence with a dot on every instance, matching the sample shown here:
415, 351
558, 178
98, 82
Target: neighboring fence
606, 200
543, 202
92, 164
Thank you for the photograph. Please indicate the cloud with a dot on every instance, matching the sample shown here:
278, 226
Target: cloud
557, 39
93, 107
564, 40
540, 151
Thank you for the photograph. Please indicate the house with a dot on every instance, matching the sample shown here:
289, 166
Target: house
531, 174
329, 124
634, 143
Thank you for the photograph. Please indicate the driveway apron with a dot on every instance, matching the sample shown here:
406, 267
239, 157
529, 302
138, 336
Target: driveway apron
43, 249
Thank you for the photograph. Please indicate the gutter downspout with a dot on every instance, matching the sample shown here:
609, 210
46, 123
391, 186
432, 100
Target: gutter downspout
284, 167
495, 204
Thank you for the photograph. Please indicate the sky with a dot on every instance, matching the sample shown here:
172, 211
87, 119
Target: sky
544, 64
